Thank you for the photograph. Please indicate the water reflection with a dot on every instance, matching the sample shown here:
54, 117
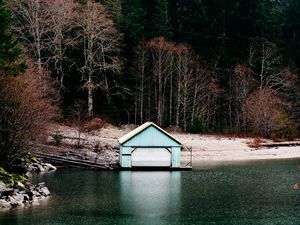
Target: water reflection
239, 194
150, 194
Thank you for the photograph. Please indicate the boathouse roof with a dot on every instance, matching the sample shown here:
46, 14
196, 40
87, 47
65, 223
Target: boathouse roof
143, 127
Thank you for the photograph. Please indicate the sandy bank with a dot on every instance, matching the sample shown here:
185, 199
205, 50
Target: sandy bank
214, 148
204, 147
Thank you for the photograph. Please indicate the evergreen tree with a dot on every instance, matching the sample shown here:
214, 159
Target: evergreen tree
134, 19
159, 21
9, 53
9, 48
114, 10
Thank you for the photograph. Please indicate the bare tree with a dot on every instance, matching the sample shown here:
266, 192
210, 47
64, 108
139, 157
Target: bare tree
161, 52
263, 111
140, 64
31, 25
78, 114
242, 84
101, 42
201, 91
186, 82
193, 82
114, 7
61, 22
28, 106
265, 56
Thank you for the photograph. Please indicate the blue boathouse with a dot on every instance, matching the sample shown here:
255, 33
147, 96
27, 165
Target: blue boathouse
149, 146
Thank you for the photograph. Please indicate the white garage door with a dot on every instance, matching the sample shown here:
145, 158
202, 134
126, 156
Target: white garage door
151, 157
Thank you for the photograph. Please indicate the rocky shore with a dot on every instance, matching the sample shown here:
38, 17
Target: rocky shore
17, 191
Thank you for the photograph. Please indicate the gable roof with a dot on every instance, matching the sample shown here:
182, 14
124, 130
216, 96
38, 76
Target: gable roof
141, 128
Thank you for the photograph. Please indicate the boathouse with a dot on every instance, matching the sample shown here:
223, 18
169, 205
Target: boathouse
149, 146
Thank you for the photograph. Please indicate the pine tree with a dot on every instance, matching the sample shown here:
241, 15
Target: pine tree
134, 19
9, 48
9, 53
159, 21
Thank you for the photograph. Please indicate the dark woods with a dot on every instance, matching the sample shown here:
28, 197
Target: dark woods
202, 66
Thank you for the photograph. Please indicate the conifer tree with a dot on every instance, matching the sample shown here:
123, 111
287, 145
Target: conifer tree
9, 48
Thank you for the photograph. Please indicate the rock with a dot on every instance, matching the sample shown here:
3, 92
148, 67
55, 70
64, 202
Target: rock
40, 168
7, 191
26, 197
22, 191
18, 197
49, 167
296, 186
42, 184
2, 185
21, 197
20, 185
13, 201
29, 193
4, 204
45, 191
35, 201
34, 164
36, 193
36, 167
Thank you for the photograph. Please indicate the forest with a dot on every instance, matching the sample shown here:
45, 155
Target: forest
201, 66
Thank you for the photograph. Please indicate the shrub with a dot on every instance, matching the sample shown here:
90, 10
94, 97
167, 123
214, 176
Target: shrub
93, 124
286, 128
57, 137
263, 112
27, 106
10, 178
255, 143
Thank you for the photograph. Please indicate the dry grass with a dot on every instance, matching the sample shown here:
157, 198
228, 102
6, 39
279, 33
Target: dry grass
236, 136
256, 143
93, 124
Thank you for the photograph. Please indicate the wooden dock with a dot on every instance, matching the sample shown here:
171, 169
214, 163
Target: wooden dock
282, 144
75, 162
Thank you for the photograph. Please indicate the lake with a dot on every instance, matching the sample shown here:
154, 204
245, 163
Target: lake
254, 193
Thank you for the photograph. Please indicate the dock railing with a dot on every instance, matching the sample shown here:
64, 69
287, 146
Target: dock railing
189, 164
70, 157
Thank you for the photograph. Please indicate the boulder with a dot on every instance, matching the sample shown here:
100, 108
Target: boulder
13, 202
7, 192
2, 185
296, 186
36, 193
45, 191
41, 184
40, 168
49, 167
20, 185
24, 191
18, 197
35, 201
4, 204
21, 197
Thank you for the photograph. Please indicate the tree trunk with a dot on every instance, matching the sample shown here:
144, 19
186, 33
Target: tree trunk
171, 98
178, 91
160, 94
90, 97
142, 90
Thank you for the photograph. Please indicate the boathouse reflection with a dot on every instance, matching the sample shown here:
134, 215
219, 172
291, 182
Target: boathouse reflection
146, 193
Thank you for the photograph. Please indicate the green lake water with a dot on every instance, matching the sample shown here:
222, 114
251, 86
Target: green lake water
256, 193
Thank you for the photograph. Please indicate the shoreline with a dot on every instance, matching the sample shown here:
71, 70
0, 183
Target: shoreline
213, 148
246, 155
205, 147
